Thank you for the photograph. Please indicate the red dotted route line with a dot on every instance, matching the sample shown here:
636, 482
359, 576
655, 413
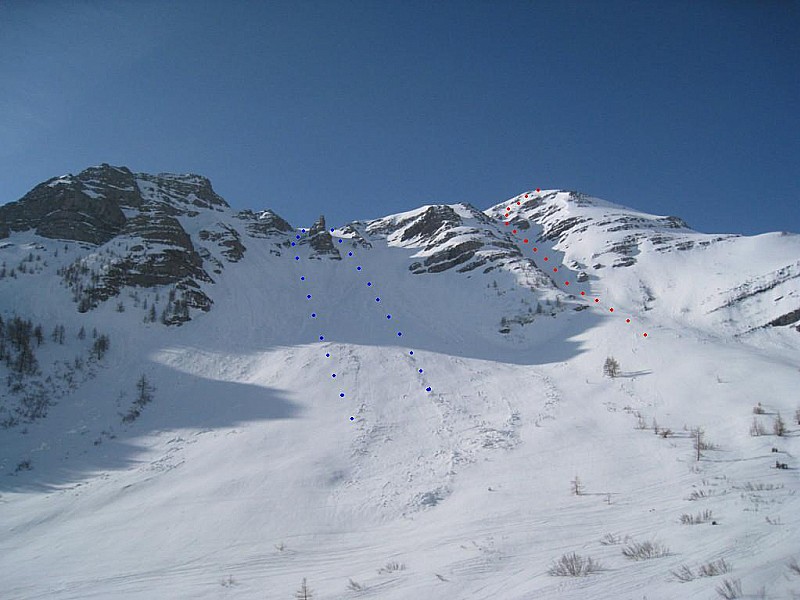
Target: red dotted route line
546, 258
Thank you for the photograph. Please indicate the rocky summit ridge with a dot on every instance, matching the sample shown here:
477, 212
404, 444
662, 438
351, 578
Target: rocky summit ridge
138, 230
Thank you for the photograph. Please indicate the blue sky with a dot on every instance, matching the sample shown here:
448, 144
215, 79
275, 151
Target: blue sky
360, 109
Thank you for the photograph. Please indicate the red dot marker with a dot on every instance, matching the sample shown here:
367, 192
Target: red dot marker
513, 231
535, 249
583, 293
506, 222
526, 195
525, 241
645, 335
597, 299
555, 269
611, 310
566, 283
545, 258
518, 203
538, 190
627, 320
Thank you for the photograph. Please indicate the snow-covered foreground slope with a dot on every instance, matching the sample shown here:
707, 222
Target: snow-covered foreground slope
246, 474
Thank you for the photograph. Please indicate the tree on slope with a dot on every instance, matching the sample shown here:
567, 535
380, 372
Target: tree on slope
611, 367
304, 593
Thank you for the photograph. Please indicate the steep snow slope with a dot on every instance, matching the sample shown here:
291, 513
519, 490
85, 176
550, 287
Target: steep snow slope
245, 473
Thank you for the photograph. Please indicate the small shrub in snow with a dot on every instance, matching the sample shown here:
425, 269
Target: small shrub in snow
391, 567
730, 589
645, 550
684, 574
749, 486
758, 409
610, 539
23, 465
702, 517
797, 416
576, 486
714, 568
757, 428
794, 567
573, 565
710, 569
354, 586
229, 581
700, 494
640, 422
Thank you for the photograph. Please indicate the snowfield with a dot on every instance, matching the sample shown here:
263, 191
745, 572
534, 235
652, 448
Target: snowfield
245, 473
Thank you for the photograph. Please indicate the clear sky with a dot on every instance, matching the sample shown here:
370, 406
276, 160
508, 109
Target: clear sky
360, 109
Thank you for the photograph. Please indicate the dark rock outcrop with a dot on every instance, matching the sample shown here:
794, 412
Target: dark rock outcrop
88, 207
452, 256
431, 221
64, 210
264, 224
228, 239
787, 319
180, 191
321, 241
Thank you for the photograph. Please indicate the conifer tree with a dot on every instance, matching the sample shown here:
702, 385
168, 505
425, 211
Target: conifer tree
611, 367
304, 593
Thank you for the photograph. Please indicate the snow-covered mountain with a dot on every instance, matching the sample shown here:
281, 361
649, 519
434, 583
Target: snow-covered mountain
205, 403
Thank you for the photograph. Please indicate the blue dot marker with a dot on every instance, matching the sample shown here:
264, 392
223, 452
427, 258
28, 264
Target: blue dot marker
388, 316
293, 243
309, 296
427, 389
369, 284
333, 375
302, 278
411, 352
358, 268
313, 315
349, 254
399, 333
297, 236
322, 337
303, 230
340, 241
352, 418
327, 355
341, 395
297, 258
331, 229
377, 299
420, 370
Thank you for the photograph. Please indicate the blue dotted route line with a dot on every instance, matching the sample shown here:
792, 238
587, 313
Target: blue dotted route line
313, 315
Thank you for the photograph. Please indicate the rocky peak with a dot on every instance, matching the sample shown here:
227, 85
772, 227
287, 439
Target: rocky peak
69, 208
264, 223
88, 207
320, 240
431, 221
177, 192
